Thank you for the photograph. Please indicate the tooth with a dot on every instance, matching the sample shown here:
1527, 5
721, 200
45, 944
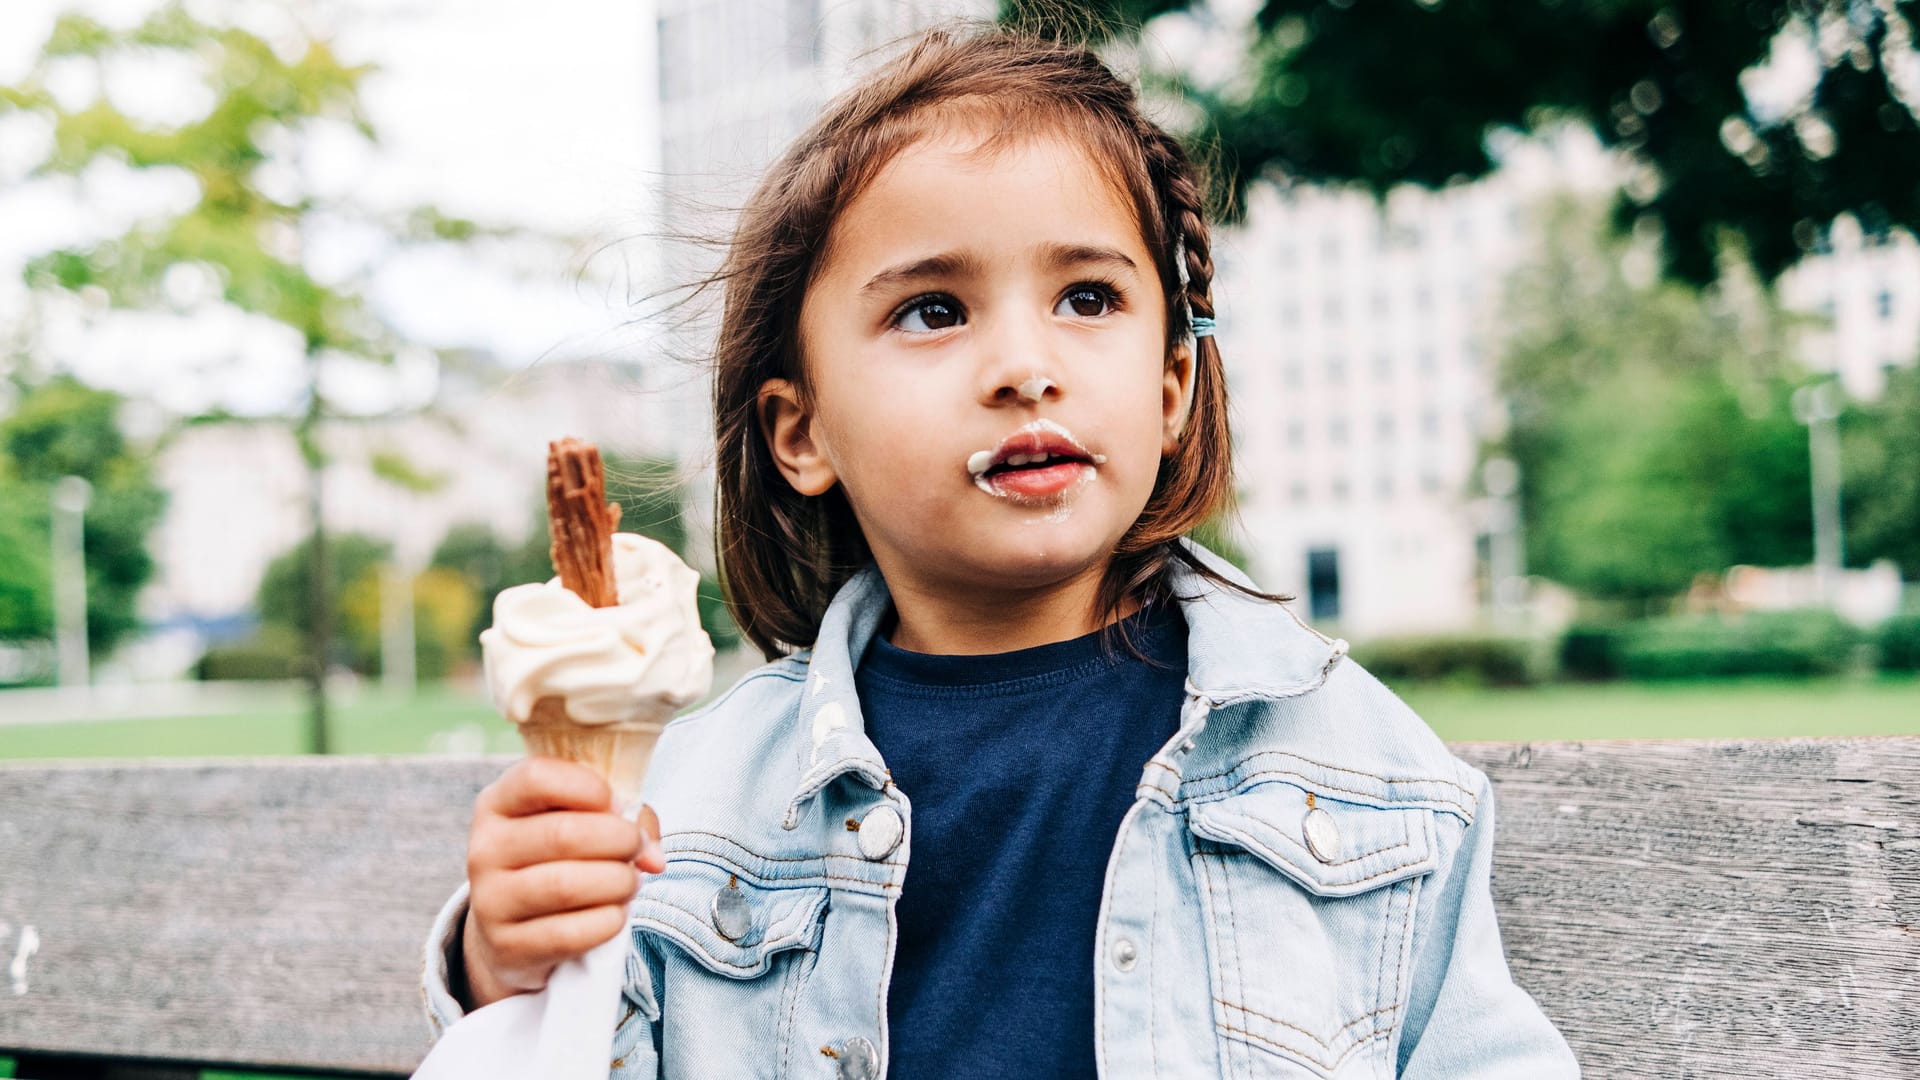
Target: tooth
1018, 459
1042, 457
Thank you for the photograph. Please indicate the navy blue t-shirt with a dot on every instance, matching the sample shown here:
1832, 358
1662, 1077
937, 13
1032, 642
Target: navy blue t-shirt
1019, 767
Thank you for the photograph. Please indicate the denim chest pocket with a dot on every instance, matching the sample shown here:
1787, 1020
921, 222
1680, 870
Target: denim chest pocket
1309, 903
733, 957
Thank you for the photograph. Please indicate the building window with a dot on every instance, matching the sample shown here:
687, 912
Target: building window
1430, 483
1383, 427
1885, 302
1289, 315
1292, 375
1383, 367
1336, 370
1339, 489
1296, 433
1383, 486
1429, 363
676, 51
1297, 491
1430, 424
1337, 431
1323, 583
1331, 309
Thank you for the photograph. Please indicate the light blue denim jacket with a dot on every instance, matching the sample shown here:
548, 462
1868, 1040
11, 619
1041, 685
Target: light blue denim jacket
1300, 888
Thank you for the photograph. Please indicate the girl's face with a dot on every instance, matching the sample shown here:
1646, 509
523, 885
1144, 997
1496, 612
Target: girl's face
974, 312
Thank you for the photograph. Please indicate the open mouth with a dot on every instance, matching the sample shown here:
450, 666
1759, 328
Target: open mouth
1039, 462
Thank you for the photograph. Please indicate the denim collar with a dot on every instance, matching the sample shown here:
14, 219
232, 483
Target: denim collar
1239, 648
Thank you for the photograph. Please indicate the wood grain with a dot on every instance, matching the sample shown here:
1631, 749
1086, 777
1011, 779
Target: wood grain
1680, 909
267, 912
1702, 909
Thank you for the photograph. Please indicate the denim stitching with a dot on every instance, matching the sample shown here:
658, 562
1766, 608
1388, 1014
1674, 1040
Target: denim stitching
1327, 1043
777, 858
1218, 952
1249, 841
1465, 811
1469, 792
1296, 1053
1233, 925
1355, 881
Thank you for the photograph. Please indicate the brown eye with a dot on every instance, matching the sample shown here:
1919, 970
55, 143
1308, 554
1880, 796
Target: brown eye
1086, 301
928, 314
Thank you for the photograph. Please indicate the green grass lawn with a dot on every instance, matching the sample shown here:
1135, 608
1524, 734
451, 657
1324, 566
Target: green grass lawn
443, 718
1743, 709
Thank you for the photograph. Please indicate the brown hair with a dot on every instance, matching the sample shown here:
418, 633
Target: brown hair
783, 555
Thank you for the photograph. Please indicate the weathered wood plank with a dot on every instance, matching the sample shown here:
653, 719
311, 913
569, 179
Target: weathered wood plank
1680, 909
1688, 909
266, 912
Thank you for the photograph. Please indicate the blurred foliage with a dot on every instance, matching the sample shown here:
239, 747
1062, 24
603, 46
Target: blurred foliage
283, 597
1880, 449
273, 653
1390, 91
1467, 659
444, 607
1790, 643
1899, 643
58, 428
1650, 419
240, 240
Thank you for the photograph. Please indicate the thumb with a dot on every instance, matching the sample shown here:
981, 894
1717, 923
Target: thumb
652, 858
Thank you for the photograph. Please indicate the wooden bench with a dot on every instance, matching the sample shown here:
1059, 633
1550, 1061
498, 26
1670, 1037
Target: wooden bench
1681, 909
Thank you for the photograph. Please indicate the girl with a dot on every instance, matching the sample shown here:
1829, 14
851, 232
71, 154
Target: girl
1031, 786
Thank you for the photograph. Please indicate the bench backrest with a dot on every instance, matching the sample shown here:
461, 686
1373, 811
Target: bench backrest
1679, 908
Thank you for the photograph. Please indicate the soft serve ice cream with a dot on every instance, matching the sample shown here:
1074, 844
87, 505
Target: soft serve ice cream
639, 661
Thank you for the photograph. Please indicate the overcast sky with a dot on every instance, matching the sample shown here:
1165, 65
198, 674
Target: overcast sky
536, 114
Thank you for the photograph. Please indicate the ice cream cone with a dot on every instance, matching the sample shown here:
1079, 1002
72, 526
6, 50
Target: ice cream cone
617, 752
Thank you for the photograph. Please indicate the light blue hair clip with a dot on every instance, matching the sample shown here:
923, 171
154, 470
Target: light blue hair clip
1202, 326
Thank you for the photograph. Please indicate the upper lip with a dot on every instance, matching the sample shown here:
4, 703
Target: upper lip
1039, 437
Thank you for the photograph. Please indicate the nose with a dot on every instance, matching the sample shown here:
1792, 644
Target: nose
1020, 366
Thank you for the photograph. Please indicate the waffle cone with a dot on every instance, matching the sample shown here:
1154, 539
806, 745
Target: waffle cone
618, 752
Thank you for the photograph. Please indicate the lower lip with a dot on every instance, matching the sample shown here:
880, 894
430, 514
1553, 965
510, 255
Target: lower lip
1039, 483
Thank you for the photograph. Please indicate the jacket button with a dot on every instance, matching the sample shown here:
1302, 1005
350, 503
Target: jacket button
880, 832
1323, 836
858, 1060
1124, 954
731, 915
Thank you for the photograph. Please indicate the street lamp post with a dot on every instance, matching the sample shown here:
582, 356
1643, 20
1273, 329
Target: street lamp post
71, 495
1818, 406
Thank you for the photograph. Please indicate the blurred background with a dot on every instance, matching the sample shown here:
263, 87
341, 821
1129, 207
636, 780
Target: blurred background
1572, 345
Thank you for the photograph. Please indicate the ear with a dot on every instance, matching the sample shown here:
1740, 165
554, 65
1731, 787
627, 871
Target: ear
1176, 396
789, 429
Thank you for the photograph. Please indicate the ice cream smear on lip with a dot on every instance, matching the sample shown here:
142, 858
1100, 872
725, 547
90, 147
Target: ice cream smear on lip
642, 660
980, 462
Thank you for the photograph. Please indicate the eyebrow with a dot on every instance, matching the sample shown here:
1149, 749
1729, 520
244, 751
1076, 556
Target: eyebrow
962, 263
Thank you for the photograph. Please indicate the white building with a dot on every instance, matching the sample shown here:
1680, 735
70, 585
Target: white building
1866, 291
1360, 343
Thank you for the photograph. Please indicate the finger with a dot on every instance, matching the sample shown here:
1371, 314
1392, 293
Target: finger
561, 835
652, 857
552, 938
537, 891
544, 783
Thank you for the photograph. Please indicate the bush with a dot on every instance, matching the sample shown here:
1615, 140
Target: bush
1899, 641
274, 653
1770, 643
1482, 660
1591, 651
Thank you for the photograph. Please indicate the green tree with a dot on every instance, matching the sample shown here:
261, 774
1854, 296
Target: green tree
63, 428
1880, 444
1650, 419
1389, 91
243, 239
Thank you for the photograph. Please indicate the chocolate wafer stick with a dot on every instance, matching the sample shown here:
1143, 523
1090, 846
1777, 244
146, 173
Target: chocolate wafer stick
581, 521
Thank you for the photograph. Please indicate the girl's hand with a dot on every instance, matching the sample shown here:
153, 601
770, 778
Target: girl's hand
551, 869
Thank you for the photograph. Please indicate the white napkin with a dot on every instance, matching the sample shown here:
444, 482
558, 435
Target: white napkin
564, 1032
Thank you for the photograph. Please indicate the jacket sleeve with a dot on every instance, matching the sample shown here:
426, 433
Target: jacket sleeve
1466, 1017
635, 1054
